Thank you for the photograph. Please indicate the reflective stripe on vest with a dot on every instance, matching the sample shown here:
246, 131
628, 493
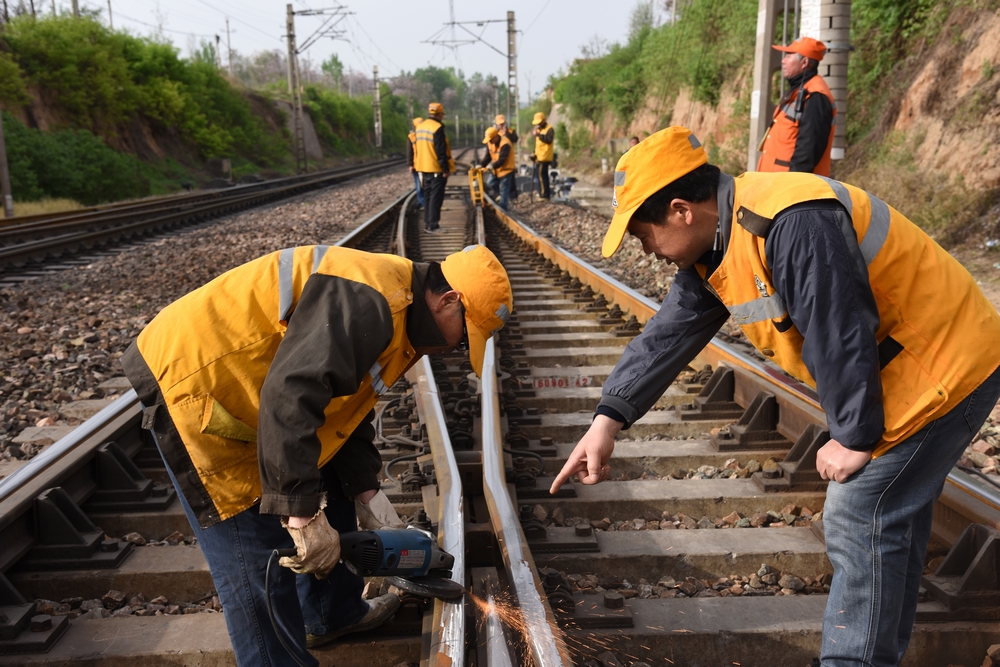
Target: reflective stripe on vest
286, 282
425, 158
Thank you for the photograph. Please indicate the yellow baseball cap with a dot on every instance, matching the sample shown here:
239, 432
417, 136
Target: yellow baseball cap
417, 121
435, 107
652, 164
500, 119
538, 119
477, 274
490, 133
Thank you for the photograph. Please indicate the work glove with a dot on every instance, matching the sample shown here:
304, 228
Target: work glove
378, 513
318, 546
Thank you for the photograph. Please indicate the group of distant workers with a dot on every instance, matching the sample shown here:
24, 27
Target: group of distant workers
428, 154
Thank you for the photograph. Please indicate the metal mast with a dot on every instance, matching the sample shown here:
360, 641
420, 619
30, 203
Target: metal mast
377, 107
512, 73
298, 126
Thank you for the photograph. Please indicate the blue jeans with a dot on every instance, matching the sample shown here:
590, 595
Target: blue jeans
504, 185
420, 189
877, 526
237, 551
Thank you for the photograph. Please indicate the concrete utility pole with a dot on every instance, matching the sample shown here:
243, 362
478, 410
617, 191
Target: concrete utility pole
76, 9
377, 108
512, 73
229, 49
829, 21
218, 53
8, 199
298, 126
111, 20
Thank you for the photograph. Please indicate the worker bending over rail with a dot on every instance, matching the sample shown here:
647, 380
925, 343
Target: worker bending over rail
259, 388
845, 294
500, 158
432, 160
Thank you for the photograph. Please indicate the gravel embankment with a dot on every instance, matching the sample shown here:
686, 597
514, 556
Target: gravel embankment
62, 334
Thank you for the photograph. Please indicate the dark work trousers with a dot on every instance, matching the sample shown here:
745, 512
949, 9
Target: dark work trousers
433, 198
238, 549
544, 188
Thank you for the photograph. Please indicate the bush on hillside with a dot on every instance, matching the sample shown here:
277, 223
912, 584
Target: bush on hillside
70, 164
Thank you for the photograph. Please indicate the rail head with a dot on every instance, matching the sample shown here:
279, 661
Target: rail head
546, 648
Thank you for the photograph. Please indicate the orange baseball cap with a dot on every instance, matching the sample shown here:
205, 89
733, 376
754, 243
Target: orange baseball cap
490, 133
500, 119
435, 107
804, 46
477, 274
538, 119
648, 167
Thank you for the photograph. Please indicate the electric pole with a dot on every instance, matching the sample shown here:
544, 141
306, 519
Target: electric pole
8, 200
377, 108
229, 49
76, 9
218, 53
111, 21
298, 126
512, 73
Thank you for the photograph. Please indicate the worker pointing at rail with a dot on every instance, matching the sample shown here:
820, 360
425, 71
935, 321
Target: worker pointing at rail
259, 388
845, 294
499, 158
800, 137
432, 160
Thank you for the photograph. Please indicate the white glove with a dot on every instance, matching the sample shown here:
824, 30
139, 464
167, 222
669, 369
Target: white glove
318, 546
378, 513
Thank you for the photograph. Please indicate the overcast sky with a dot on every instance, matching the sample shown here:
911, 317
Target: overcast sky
389, 33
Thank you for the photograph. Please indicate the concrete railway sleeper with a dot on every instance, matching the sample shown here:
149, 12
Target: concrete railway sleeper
704, 549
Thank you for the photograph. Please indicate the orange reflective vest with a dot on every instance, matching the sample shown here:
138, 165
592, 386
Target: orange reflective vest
211, 383
544, 152
943, 332
425, 158
509, 164
779, 145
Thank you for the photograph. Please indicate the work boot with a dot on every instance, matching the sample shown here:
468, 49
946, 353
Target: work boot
379, 611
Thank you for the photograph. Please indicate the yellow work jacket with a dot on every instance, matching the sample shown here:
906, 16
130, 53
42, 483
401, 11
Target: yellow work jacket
944, 348
211, 382
508, 166
544, 152
425, 157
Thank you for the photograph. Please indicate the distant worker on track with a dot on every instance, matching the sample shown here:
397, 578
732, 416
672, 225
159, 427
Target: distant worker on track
259, 390
505, 130
410, 151
545, 137
850, 297
800, 137
499, 158
432, 160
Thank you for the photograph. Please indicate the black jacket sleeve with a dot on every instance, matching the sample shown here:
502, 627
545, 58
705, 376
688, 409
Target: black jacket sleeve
512, 135
441, 150
409, 153
335, 335
814, 133
685, 323
548, 136
817, 268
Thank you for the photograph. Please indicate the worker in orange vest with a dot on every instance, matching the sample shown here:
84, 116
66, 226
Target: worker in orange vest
800, 136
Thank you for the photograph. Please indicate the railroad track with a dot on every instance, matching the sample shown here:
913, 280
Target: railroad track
725, 567
29, 241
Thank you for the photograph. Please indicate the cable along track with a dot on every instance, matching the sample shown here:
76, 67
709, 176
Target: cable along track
629, 572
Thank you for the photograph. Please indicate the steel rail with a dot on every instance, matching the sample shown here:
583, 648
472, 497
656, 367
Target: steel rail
717, 351
539, 637
447, 642
174, 200
55, 243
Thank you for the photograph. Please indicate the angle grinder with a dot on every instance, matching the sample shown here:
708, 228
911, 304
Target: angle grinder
409, 557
